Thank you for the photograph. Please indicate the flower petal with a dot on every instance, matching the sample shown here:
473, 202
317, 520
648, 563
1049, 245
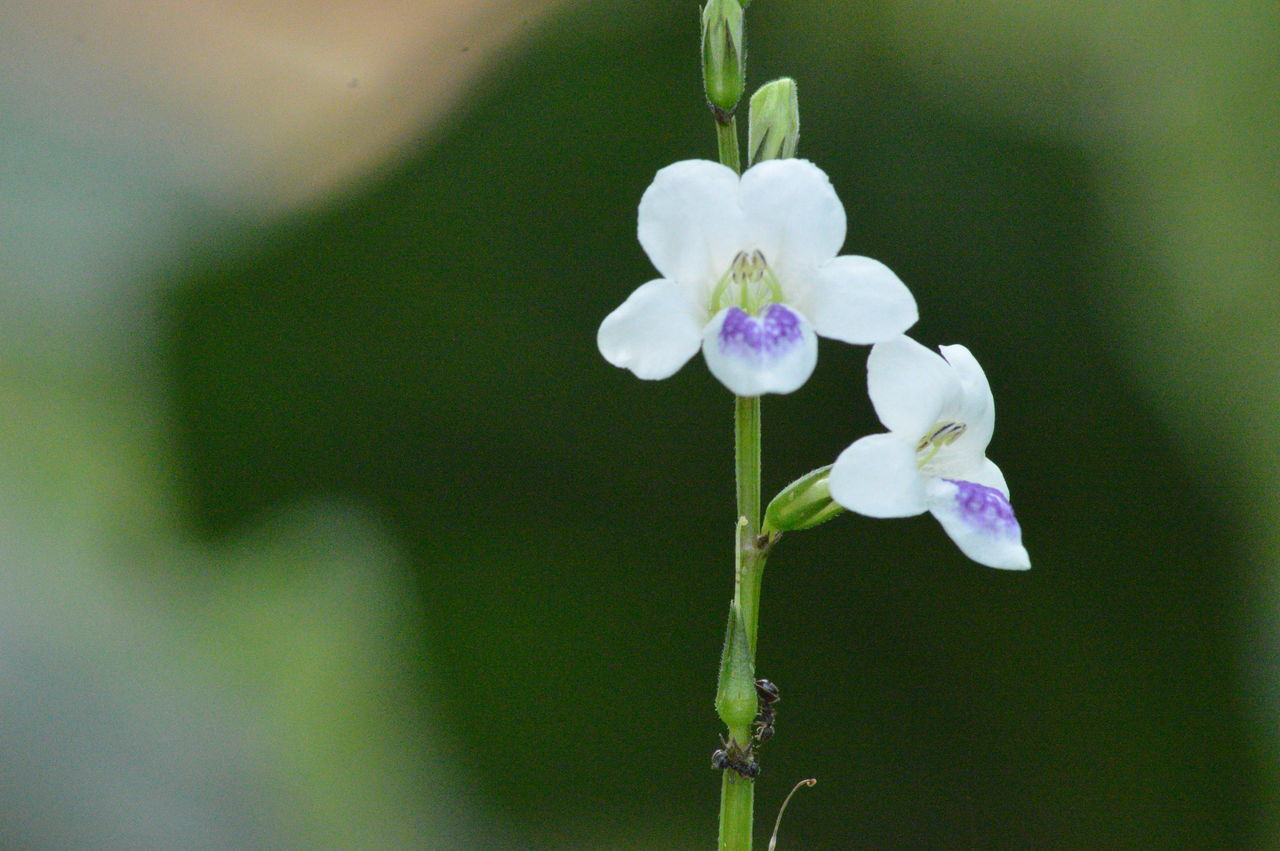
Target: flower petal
987, 473
859, 300
753, 355
691, 223
910, 386
877, 476
793, 216
654, 332
980, 520
977, 407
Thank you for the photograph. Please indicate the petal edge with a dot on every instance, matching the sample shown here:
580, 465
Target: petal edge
653, 333
793, 215
690, 221
860, 301
910, 386
877, 476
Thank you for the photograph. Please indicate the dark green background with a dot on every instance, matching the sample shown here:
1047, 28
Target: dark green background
426, 342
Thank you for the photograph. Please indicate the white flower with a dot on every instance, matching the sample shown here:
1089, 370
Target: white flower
940, 416
750, 275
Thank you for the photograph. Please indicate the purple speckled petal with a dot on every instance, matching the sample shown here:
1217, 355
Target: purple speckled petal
774, 352
980, 520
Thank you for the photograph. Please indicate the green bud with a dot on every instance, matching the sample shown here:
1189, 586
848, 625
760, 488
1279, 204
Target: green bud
803, 504
774, 122
736, 700
723, 74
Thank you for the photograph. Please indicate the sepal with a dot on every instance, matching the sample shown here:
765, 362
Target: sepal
736, 699
803, 504
723, 56
773, 125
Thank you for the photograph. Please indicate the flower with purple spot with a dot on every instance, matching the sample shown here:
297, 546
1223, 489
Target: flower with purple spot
940, 416
750, 276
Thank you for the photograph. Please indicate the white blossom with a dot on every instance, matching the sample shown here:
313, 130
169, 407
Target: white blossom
749, 275
940, 416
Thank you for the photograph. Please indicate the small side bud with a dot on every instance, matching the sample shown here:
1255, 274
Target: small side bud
736, 700
803, 504
774, 122
723, 56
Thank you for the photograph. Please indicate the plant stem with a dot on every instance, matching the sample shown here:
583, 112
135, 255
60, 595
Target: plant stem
746, 439
737, 793
737, 800
746, 434
727, 142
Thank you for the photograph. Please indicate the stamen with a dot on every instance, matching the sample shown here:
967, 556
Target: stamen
749, 284
718, 294
770, 279
941, 436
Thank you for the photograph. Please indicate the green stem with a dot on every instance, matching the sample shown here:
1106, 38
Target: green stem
746, 437
736, 804
727, 142
746, 440
737, 793
748, 592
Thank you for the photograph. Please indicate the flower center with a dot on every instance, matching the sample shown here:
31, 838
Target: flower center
942, 435
749, 284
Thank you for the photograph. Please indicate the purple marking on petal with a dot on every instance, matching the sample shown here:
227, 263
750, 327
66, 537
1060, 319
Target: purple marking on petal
985, 509
760, 337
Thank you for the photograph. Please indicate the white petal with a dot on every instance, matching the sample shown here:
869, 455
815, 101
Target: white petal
654, 332
987, 473
980, 520
691, 223
877, 476
910, 386
793, 216
977, 407
859, 300
753, 355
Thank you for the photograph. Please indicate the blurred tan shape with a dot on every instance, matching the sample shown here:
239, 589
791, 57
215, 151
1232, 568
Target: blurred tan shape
264, 104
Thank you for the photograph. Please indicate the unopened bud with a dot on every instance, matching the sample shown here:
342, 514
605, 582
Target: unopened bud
774, 122
723, 73
803, 504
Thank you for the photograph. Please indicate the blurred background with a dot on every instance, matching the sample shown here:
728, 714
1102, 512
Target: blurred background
323, 523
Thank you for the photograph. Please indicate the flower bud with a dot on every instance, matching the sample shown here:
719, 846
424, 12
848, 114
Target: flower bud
803, 504
723, 74
736, 700
774, 122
